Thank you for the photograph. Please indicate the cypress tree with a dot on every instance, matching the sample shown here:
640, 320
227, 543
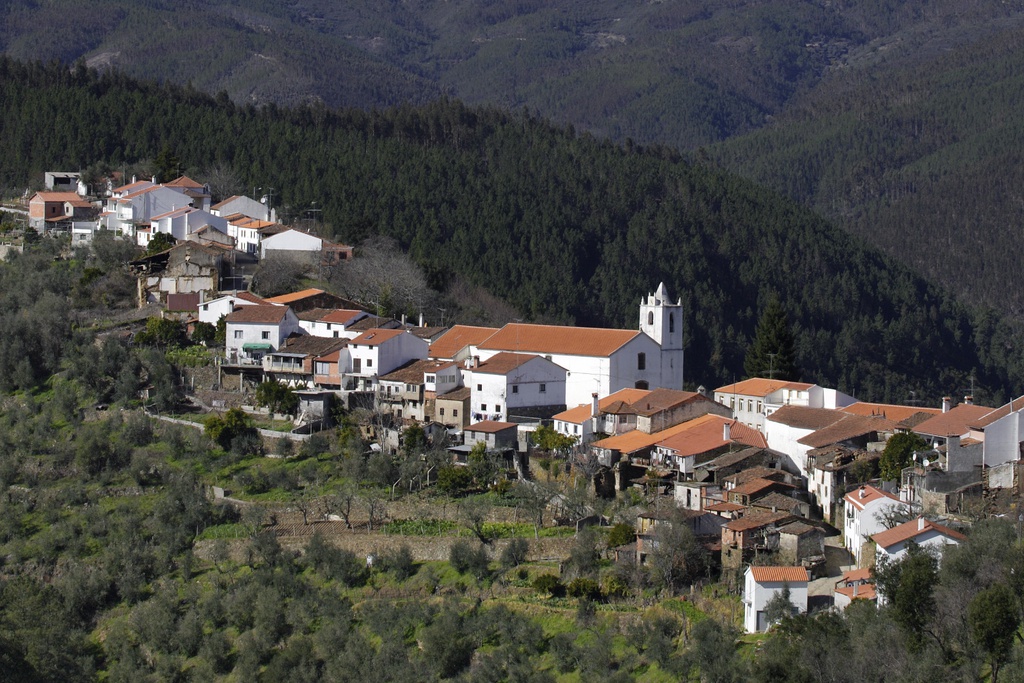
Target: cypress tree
773, 351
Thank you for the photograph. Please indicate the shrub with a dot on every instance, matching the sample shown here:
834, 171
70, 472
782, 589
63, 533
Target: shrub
621, 534
464, 558
454, 480
584, 588
514, 553
549, 583
398, 561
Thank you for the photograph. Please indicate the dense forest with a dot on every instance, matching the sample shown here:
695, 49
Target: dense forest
563, 226
116, 564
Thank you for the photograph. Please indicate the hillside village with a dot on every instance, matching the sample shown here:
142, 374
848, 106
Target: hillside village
776, 478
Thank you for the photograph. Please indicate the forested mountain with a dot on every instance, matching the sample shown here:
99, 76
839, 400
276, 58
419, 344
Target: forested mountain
563, 226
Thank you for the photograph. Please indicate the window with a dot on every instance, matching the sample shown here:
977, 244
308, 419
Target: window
440, 412
266, 335
575, 429
479, 387
543, 388
732, 403
369, 362
759, 406
641, 361
328, 326
430, 379
238, 334
515, 388
640, 384
455, 412
650, 318
483, 407
671, 323
335, 334
497, 407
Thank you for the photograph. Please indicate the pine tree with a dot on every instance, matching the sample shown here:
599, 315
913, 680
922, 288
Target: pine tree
773, 352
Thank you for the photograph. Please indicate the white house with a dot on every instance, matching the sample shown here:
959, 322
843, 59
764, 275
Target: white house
893, 543
586, 419
297, 241
1003, 433
332, 322
181, 222
135, 205
378, 351
754, 400
212, 310
457, 343
253, 331
411, 390
241, 205
514, 383
248, 232
865, 510
761, 584
785, 427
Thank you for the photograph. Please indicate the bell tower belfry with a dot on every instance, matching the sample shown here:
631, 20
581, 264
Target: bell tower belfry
662, 321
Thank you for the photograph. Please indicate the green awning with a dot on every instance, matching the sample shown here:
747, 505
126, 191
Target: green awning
260, 346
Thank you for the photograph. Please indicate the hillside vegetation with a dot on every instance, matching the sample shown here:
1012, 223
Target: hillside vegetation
564, 227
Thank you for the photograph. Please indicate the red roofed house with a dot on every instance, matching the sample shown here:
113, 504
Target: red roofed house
703, 439
602, 361
893, 543
865, 511
612, 415
761, 584
377, 352
455, 344
410, 391
331, 322
746, 536
212, 310
515, 384
753, 400
47, 209
254, 331
496, 435
856, 584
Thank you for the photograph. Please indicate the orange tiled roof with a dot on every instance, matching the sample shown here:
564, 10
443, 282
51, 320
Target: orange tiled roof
725, 506
759, 386
257, 314
634, 440
571, 341
889, 411
338, 316
849, 427
249, 296
779, 574
754, 486
490, 426
862, 592
184, 181
376, 336
661, 399
133, 186
503, 363
913, 529
870, 495
458, 338
956, 422
1015, 405
803, 417
294, 296
582, 412
413, 372
58, 196
863, 574
705, 433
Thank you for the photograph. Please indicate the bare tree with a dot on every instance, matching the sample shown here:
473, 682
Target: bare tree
280, 273
223, 181
306, 504
474, 513
381, 274
376, 507
342, 502
534, 498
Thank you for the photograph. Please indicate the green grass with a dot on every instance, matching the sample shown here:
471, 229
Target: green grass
223, 531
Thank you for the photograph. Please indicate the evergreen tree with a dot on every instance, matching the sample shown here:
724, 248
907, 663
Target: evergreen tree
773, 352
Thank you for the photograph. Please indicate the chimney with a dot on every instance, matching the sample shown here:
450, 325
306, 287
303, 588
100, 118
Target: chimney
863, 492
474, 362
153, 180
856, 586
727, 431
920, 523
403, 320
421, 318
595, 408
969, 400
134, 180
946, 401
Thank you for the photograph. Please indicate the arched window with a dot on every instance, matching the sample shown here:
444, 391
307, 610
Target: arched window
650, 318
641, 361
641, 384
671, 323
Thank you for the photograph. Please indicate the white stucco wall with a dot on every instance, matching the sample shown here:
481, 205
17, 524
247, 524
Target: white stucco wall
757, 595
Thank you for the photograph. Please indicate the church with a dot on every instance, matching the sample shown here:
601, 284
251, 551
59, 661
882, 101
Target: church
600, 360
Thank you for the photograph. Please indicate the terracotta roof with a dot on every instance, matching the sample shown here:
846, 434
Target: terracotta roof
504, 363
332, 357
1014, 406
734, 458
725, 506
294, 296
372, 322
572, 341
913, 529
755, 473
133, 186
796, 528
620, 408
457, 338
490, 426
889, 411
413, 372
635, 440
849, 427
779, 574
337, 316
803, 417
376, 336
759, 386
956, 422
863, 574
180, 211
257, 314
184, 181
754, 520
427, 333
755, 486
460, 394
705, 434
862, 592
864, 495
658, 400
58, 196
183, 302
249, 296
582, 412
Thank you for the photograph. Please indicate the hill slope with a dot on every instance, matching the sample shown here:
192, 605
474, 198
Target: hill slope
564, 227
